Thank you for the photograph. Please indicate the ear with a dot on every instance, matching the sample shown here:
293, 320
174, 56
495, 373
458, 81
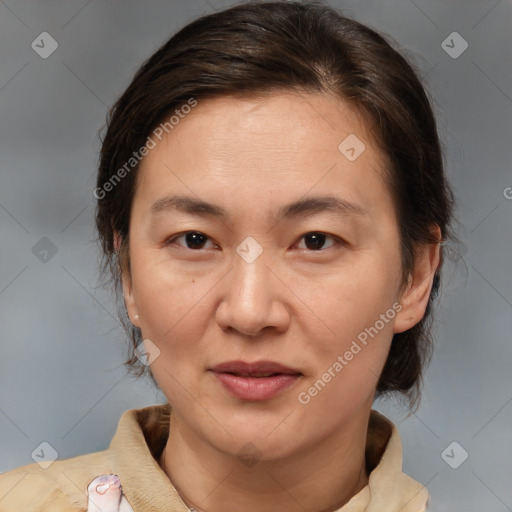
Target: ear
415, 297
122, 249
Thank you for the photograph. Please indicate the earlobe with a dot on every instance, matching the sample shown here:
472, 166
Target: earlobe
415, 298
121, 248
129, 302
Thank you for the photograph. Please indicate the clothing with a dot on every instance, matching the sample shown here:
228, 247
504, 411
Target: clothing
132, 456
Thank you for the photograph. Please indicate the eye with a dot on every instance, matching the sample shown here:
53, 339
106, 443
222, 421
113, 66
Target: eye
315, 240
193, 240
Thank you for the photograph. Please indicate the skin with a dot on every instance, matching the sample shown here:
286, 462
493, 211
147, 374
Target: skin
294, 305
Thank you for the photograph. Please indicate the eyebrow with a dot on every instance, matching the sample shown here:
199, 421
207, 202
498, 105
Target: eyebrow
298, 208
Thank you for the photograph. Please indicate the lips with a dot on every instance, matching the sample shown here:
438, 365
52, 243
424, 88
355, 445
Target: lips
261, 380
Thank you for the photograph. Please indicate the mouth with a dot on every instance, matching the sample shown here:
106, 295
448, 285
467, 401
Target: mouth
257, 381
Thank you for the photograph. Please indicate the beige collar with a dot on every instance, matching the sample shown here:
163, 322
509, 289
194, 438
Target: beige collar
142, 434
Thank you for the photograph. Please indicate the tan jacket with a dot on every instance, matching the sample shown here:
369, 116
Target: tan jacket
81, 483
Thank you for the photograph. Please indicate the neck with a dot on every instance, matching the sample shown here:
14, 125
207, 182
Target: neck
321, 478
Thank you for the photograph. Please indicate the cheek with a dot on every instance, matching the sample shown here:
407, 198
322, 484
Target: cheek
351, 299
172, 306
173, 318
164, 292
348, 364
350, 346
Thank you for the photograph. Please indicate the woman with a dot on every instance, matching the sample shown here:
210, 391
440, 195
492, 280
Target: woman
272, 204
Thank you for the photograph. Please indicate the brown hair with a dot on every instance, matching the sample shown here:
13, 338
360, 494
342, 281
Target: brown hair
263, 47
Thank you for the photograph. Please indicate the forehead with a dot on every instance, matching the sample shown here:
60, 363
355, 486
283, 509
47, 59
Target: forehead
282, 143
284, 121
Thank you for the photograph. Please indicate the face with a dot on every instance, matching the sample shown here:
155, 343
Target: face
254, 238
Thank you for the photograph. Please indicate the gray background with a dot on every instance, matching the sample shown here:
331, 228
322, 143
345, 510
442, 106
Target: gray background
61, 374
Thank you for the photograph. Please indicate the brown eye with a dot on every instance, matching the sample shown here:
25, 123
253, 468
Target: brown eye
315, 241
193, 240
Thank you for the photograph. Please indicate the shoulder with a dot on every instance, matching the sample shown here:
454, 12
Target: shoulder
71, 485
60, 487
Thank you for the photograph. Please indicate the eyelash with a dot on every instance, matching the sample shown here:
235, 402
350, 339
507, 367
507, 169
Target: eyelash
337, 240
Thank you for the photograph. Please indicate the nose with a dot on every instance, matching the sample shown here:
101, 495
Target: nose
253, 298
